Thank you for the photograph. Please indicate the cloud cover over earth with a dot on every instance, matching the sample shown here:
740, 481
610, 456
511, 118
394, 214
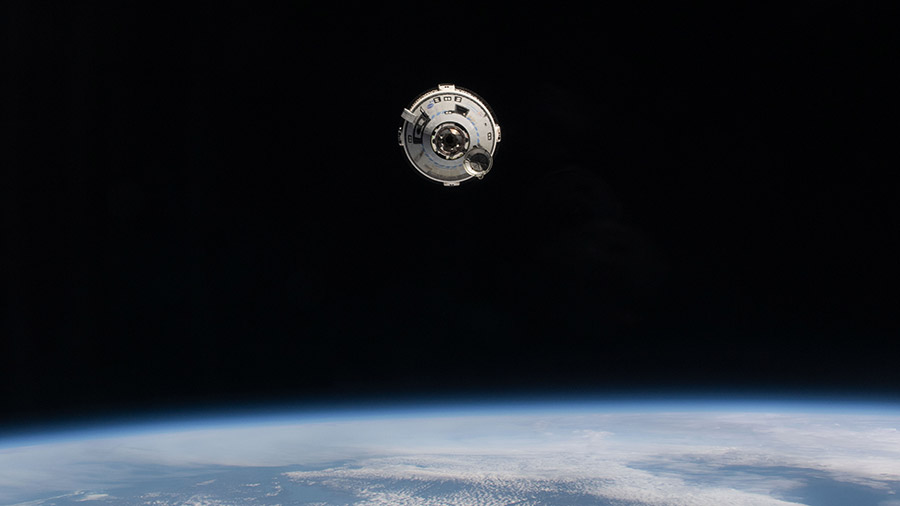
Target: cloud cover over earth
645, 456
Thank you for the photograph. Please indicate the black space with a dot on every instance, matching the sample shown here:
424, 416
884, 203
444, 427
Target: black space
207, 204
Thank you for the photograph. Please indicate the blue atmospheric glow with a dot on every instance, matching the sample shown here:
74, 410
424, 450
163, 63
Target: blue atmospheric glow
224, 416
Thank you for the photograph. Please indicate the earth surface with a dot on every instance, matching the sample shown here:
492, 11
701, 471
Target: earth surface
577, 453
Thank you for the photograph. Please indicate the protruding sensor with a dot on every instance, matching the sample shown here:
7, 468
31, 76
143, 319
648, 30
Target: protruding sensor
449, 135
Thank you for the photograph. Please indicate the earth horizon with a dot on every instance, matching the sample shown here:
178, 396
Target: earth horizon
643, 452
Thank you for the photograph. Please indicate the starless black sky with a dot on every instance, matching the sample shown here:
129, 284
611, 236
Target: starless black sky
207, 204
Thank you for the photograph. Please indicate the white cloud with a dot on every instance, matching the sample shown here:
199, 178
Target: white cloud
509, 479
92, 497
626, 456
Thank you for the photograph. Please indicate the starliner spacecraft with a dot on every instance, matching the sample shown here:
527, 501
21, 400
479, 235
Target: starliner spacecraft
449, 135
